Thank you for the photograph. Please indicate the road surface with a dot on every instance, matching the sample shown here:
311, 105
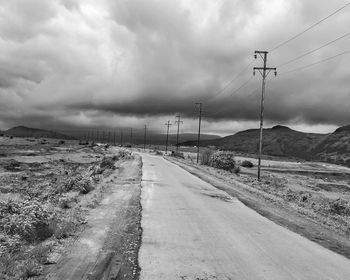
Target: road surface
192, 231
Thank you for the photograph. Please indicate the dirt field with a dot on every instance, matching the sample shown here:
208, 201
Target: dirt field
53, 192
310, 198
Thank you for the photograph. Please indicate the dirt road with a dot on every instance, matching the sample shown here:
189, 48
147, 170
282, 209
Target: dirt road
193, 231
113, 227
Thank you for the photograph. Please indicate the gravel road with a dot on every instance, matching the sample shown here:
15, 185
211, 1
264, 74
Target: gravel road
193, 231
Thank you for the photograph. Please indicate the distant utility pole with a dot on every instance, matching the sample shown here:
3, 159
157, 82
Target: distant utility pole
131, 137
199, 128
178, 121
144, 139
168, 124
121, 137
264, 71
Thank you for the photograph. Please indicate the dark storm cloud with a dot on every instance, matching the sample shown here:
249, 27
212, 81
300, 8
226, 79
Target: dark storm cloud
83, 62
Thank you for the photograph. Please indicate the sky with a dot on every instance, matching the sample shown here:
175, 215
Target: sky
127, 63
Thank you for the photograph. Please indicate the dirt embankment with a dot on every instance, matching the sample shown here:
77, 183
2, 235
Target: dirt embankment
297, 202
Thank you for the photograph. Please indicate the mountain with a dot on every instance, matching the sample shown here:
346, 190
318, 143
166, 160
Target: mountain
277, 141
335, 147
22, 131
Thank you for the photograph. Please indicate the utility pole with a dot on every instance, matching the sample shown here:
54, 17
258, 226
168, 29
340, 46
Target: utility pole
168, 124
121, 137
178, 121
264, 71
131, 137
144, 139
199, 128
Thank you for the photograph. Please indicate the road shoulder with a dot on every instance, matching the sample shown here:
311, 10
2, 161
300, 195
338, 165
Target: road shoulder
280, 215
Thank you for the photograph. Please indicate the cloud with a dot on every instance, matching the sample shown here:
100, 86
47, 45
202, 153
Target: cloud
82, 63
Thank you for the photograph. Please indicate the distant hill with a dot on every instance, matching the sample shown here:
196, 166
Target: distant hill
22, 131
283, 141
335, 147
277, 141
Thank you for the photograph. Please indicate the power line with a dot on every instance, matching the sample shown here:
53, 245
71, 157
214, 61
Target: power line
315, 63
234, 92
309, 28
219, 92
314, 50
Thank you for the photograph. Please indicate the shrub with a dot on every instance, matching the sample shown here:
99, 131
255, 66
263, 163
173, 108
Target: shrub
28, 219
178, 155
85, 186
339, 207
247, 163
12, 165
65, 227
236, 170
205, 156
78, 183
66, 202
223, 160
108, 162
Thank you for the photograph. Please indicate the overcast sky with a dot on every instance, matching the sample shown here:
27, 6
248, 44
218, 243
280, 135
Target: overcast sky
128, 63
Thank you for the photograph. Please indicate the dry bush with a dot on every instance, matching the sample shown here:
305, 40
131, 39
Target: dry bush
205, 156
223, 160
12, 165
28, 219
339, 207
80, 183
178, 155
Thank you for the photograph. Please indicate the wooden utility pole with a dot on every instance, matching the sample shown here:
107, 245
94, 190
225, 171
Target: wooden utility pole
178, 121
131, 137
121, 137
264, 71
144, 138
199, 129
168, 124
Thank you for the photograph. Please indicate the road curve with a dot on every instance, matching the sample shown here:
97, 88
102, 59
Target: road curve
192, 231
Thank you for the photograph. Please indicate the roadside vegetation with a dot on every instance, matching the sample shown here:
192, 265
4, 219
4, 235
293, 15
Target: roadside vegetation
46, 191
